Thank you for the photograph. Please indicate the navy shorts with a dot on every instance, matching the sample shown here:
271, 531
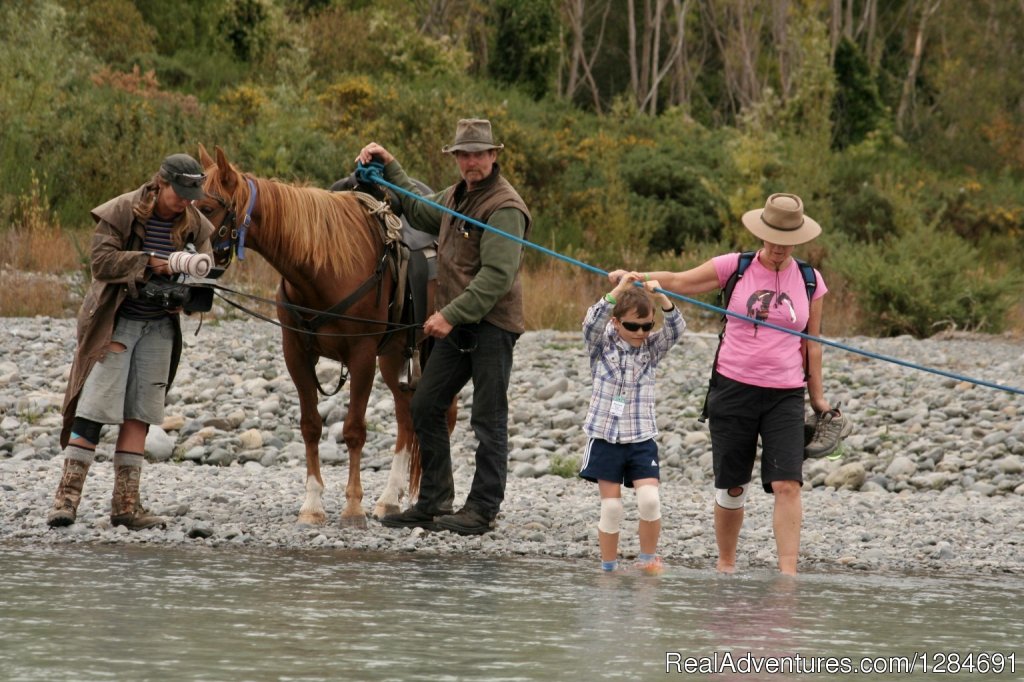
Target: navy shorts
737, 414
620, 463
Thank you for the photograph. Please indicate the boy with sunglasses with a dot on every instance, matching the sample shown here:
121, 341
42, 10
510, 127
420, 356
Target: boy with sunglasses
624, 353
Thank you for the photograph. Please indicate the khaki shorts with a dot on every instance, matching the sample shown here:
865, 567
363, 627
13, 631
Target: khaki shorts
131, 384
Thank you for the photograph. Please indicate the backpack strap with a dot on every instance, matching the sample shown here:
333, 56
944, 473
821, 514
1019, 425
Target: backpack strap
810, 278
724, 296
810, 283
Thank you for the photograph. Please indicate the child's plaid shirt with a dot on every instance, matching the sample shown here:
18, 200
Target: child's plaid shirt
620, 370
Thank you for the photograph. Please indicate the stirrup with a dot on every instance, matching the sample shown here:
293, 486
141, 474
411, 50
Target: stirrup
410, 374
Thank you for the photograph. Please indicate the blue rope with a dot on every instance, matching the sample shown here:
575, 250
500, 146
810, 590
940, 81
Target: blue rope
374, 171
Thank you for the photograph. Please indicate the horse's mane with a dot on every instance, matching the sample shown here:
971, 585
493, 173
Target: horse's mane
329, 230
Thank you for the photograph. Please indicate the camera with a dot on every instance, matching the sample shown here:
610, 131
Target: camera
190, 294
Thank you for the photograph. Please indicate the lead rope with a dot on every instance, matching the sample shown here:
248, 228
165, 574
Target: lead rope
382, 211
374, 172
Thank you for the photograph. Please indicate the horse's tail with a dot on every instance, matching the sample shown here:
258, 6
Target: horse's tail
415, 468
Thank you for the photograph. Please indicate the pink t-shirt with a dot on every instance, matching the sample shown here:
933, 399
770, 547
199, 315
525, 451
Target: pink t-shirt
754, 354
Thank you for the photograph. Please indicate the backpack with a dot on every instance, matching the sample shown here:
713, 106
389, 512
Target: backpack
725, 295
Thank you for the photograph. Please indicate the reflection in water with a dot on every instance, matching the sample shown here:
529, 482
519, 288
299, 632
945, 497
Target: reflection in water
754, 619
147, 613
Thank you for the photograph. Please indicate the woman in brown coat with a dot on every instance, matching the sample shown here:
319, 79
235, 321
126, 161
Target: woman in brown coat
128, 348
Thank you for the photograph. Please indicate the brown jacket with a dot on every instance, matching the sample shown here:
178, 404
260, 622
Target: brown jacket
118, 265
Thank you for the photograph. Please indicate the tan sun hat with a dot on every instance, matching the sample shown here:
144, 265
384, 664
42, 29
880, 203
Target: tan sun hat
472, 135
782, 221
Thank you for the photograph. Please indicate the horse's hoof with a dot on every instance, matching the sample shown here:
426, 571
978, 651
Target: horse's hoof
358, 522
307, 519
382, 510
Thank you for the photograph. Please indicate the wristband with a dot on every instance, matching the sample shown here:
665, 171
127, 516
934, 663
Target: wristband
610, 298
647, 278
668, 309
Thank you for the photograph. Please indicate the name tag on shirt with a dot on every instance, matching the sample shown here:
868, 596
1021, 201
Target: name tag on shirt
618, 405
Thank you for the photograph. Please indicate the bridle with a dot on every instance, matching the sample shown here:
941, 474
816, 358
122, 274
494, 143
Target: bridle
230, 236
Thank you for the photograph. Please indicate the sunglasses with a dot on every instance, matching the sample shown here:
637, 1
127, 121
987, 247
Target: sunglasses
188, 179
637, 326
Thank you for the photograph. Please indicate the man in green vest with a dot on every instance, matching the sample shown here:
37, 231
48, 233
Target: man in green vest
478, 319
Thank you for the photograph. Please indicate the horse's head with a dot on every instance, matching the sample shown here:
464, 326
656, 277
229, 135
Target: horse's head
226, 194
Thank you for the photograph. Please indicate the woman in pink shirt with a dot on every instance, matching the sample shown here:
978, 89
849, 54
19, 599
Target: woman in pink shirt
757, 387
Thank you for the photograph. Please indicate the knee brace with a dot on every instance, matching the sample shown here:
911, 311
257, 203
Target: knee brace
648, 502
611, 515
727, 500
87, 429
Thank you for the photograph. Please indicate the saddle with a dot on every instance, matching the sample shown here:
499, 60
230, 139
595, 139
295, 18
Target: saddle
411, 256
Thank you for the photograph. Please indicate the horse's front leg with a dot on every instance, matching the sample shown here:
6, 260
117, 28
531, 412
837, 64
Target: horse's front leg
311, 426
312, 509
361, 370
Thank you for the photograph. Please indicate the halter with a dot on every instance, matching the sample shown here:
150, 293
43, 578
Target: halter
229, 235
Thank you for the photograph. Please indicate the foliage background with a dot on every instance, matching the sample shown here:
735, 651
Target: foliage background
905, 141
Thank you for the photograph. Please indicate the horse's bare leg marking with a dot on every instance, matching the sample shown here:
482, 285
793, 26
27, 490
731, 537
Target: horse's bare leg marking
312, 511
388, 502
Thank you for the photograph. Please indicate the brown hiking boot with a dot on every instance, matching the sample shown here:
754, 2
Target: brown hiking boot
829, 431
69, 494
125, 507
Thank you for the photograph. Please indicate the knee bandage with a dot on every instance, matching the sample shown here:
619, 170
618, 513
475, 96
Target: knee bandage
726, 500
648, 503
611, 515
87, 429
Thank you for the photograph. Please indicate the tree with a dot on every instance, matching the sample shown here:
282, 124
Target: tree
857, 108
580, 65
928, 8
526, 34
651, 62
114, 29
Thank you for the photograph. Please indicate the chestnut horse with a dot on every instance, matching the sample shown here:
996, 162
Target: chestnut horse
327, 248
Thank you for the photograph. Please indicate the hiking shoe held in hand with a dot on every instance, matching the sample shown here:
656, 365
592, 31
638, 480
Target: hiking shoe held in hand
831, 428
413, 517
467, 521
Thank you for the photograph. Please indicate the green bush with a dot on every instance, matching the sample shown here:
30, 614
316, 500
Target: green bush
389, 43
114, 30
566, 466
925, 282
857, 107
863, 213
677, 194
525, 44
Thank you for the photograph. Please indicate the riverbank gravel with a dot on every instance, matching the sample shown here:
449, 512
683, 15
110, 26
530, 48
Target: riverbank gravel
930, 481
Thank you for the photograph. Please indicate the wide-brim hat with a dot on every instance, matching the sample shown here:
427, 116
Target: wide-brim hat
185, 175
782, 221
472, 135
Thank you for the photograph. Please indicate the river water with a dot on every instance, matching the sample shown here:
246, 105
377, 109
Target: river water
108, 612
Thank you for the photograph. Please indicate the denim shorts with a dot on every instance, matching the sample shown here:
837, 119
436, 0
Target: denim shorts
620, 463
130, 384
